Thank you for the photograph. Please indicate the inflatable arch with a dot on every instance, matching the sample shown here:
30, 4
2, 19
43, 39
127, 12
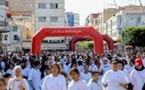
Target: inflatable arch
105, 37
67, 31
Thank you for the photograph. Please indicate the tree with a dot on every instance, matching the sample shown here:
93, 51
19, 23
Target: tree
86, 45
134, 36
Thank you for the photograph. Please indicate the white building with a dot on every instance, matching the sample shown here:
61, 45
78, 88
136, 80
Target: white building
3, 17
2, 14
12, 40
72, 19
49, 13
122, 20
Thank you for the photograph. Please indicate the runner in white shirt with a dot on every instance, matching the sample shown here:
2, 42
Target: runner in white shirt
86, 75
54, 81
76, 83
17, 82
34, 77
94, 83
10, 70
131, 66
106, 65
121, 67
92, 66
138, 75
115, 79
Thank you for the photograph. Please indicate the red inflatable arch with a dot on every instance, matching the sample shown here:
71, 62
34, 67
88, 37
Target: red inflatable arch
105, 37
67, 31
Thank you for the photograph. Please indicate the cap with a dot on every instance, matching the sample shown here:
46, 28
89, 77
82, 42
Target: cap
114, 60
138, 61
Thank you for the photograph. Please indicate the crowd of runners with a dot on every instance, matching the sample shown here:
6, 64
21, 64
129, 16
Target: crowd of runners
66, 70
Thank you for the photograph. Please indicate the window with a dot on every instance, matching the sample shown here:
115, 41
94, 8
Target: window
42, 19
53, 5
111, 24
5, 37
15, 37
42, 5
2, 23
53, 19
96, 22
2, 2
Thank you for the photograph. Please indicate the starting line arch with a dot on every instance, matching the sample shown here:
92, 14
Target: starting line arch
67, 31
106, 38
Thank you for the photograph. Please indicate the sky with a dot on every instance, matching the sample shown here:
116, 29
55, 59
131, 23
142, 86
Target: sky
85, 7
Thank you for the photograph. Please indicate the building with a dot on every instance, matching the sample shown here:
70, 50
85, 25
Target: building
72, 19
12, 40
93, 20
3, 17
128, 17
50, 13
104, 16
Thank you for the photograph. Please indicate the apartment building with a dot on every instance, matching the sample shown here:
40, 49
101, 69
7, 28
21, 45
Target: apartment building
123, 19
72, 19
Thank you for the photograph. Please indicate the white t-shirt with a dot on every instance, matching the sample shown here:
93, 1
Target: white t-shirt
93, 67
1, 73
10, 71
130, 69
106, 67
79, 85
138, 79
127, 75
35, 76
25, 71
127, 67
66, 67
54, 83
86, 77
17, 83
95, 85
113, 79
143, 61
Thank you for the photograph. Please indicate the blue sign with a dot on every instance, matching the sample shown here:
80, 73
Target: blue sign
70, 19
119, 31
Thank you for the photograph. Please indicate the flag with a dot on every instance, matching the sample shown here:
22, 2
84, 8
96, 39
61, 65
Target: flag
15, 28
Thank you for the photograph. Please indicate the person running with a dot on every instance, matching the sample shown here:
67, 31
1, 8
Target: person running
86, 75
54, 81
121, 67
76, 83
2, 84
17, 82
138, 75
6, 77
94, 83
115, 79
34, 77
